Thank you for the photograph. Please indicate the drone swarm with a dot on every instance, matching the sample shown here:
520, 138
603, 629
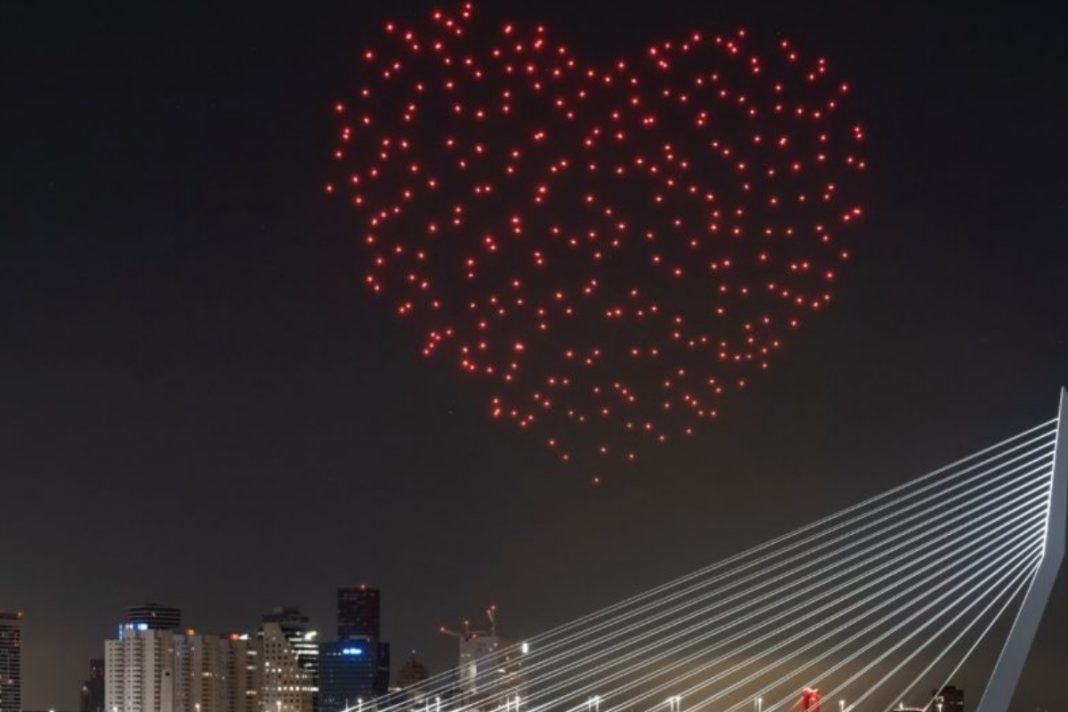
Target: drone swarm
612, 249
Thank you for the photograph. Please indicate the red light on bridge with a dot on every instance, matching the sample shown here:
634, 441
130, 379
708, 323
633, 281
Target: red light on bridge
810, 700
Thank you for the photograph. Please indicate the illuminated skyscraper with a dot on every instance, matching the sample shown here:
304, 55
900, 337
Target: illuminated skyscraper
10, 661
212, 673
352, 670
288, 650
154, 667
139, 670
356, 667
358, 613
139, 663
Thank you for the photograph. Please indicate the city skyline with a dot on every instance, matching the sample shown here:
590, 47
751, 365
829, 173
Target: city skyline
150, 620
289, 664
156, 662
203, 407
986, 530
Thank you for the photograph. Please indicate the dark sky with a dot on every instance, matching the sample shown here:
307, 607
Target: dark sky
200, 406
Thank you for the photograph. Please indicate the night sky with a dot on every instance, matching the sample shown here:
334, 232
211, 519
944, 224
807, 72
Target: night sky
200, 405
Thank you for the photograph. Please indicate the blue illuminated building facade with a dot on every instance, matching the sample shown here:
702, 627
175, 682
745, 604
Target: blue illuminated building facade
356, 667
352, 670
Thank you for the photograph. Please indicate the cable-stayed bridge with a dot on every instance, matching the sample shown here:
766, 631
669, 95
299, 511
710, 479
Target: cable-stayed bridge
881, 602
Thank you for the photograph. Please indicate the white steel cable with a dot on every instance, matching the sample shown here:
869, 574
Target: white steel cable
807, 562
796, 671
1028, 582
747, 631
897, 668
969, 517
904, 640
1024, 582
849, 623
995, 569
559, 630
792, 614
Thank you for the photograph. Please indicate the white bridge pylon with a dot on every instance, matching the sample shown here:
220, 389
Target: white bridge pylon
882, 602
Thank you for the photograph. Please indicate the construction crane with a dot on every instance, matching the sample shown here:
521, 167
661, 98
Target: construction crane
468, 634
486, 662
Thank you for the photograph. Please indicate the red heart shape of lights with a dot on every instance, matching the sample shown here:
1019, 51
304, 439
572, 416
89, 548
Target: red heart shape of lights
613, 249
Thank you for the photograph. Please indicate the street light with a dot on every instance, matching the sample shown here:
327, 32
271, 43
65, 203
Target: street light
759, 704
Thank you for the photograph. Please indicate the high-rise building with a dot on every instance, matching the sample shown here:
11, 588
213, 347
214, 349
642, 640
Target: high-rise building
152, 616
411, 674
92, 694
490, 669
485, 665
240, 660
948, 699
160, 669
10, 661
358, 613
352, 670
139, 671
356, 667
288, 672
213, 673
